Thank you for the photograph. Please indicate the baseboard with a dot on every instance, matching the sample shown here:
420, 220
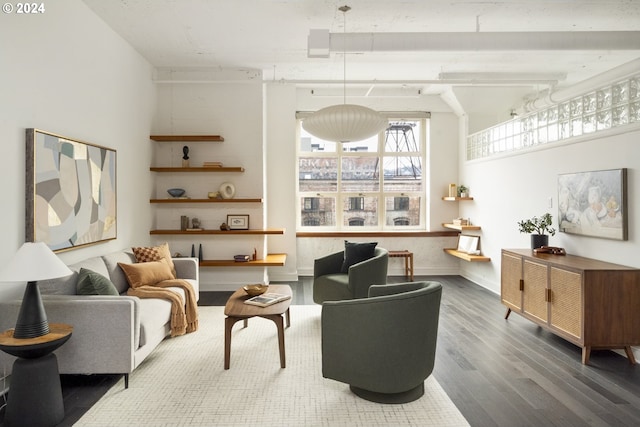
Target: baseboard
425, 271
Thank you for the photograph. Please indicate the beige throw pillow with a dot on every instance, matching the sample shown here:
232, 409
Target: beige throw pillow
146, 273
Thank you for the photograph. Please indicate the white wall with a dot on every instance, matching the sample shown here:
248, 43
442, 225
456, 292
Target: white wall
227, 103
66, 72
281, 183
516, 187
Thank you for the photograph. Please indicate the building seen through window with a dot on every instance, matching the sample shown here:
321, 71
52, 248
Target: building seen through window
377, 183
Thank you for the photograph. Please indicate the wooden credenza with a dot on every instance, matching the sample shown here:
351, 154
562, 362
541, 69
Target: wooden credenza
591, 303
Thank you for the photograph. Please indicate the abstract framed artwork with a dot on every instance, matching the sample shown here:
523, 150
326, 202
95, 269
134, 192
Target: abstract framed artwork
594, 203
70, 191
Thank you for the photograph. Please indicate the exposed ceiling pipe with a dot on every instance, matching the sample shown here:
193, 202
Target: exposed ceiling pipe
322, 42
550, 97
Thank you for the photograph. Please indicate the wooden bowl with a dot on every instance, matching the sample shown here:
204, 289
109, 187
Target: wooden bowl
253, 290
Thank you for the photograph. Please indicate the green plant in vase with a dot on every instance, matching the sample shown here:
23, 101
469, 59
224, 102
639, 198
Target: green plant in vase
462, 191
539, 228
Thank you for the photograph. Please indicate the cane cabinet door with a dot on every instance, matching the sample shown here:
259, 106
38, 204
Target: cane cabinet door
511, 282
566, 301
534, 295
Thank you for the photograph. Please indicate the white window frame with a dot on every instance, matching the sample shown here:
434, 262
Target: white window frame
344, 197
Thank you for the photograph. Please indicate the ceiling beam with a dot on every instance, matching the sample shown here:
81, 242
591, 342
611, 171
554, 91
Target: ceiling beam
322, 42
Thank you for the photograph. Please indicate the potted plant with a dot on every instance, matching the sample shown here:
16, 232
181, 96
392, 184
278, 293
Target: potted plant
462, 191
538, 227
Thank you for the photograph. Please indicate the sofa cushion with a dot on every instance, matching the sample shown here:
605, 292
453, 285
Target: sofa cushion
332, 287
155, 253
154, 313
357, 252
67, 285
115, 272
146, 273
92, 283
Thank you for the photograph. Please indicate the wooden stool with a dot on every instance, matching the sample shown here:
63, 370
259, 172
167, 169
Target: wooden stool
408, 261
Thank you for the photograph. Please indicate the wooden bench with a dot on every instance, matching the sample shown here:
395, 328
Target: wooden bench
408, 261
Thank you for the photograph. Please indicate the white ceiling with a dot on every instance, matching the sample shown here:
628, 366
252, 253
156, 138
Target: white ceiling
271, 36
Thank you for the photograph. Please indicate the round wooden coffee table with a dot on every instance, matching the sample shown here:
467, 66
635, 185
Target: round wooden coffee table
237, 310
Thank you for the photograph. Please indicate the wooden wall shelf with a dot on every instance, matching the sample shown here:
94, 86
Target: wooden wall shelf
187, 138
456, 199
172, 201
461, 227
467, 257
271, 260
221, 232
197, 169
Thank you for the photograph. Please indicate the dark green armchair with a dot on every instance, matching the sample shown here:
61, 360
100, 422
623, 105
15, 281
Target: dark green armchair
383, 346
330, 284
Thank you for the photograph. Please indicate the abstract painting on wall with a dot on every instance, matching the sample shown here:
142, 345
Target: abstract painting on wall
594, 203
70, 191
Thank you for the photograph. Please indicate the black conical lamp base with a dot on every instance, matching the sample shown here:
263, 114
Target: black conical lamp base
32, 319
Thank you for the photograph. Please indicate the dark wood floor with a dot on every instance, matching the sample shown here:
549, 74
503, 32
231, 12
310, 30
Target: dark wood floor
498, 372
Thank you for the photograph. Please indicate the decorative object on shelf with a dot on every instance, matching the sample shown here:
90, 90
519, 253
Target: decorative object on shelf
224, 226
59, 209
184, 222
214, 195
345, 122
200, 257
176, 192
257, 289
212, 164
227, 190
195, 224
461, 221
255, 254
185, 156
241, 258
594, 203
452, 190
469, 244
463, 191
193, 250
238, 222
553, 250
538, 227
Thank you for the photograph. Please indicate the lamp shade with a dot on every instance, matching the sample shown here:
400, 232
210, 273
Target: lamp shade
344, 123
33, 261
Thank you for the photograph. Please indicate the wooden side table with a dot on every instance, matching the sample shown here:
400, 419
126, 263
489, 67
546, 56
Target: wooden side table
408, 261
35, 395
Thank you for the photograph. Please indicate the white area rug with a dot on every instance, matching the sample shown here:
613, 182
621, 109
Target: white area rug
183, 383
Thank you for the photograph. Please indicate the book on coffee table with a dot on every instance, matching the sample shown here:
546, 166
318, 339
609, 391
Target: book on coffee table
267, 299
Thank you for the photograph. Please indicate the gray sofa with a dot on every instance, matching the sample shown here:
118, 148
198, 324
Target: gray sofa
111, 334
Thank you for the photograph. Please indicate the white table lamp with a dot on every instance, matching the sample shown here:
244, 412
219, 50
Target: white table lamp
33, 261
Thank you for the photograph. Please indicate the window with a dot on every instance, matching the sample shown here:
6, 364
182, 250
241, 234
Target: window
356, 203
377, 183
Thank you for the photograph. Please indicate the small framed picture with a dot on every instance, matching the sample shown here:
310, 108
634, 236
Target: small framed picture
238, 222
469, 244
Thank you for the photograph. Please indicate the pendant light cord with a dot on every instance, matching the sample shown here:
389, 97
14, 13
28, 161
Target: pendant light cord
344, 9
